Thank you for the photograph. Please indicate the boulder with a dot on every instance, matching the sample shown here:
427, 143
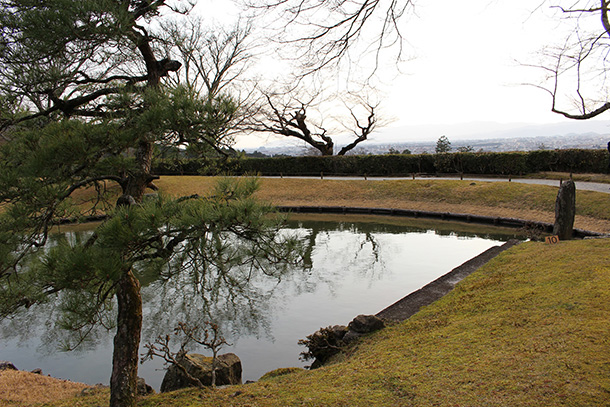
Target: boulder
4, 365
351, 336
338, 331
364, 324
228, 371
143, 388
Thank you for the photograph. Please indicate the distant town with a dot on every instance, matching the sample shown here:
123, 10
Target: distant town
585, 141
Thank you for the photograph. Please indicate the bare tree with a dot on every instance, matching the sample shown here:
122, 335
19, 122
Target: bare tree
325, 31
362, 128
208, 336
287, 116
215, 63
213, 58
576, 71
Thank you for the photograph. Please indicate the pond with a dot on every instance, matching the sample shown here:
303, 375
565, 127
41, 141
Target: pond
354, 265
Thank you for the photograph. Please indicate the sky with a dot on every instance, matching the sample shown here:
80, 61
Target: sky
467, 65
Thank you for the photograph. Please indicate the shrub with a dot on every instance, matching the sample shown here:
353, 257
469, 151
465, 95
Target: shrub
488, 163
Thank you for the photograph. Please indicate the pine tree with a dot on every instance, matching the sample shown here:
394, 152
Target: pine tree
82, 106
443, 145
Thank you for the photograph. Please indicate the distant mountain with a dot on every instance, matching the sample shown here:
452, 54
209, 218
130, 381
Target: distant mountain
488, 130
485, 136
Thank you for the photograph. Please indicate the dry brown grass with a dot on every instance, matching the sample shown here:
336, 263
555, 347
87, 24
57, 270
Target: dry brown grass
503, 199
19, 388
499, 199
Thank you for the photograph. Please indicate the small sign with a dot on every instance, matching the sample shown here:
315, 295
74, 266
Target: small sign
552, 239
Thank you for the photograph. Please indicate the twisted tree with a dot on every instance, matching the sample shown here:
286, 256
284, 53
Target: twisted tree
289, 118
84, 100
83, 105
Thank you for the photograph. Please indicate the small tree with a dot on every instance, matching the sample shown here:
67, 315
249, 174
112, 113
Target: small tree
208, 336
443, 145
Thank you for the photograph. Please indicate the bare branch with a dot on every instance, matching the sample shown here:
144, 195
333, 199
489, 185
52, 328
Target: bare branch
576, 71
325, 31
364, 129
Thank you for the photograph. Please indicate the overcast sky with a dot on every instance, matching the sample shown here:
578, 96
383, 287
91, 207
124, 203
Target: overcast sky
467, 64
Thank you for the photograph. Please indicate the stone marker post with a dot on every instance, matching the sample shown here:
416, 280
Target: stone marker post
565, 210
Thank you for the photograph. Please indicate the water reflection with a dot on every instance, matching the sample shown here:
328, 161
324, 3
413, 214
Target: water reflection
351, 268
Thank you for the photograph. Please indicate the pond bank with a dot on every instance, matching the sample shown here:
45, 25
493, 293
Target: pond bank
543, 227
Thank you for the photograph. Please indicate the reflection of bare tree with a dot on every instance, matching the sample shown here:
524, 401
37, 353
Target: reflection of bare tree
369, 238
194, 288
240, 302
243, 301
363, 255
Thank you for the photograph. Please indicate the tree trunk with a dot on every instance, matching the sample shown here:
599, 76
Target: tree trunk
123, 382
138, 182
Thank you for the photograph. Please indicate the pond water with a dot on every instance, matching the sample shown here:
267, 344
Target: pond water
355, 265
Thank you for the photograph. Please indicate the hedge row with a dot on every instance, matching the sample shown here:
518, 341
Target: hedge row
513, 163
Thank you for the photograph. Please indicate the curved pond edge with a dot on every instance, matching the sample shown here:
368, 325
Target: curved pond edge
460, 217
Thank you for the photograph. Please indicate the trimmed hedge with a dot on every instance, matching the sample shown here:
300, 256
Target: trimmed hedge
511, 163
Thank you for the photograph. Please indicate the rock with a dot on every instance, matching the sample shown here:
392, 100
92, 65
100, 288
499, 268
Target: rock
351, 336
565, 210
338, 331
4, 365
143, 388
364, 324
228, 371
37, 371
125, 200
